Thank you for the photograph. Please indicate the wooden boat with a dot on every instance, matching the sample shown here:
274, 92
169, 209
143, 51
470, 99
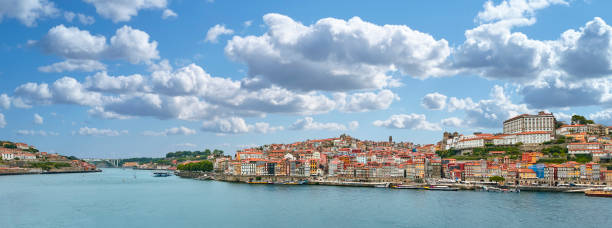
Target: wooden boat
607, 192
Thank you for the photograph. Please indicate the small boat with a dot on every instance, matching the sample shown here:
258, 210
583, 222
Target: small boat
259, 182
385, 185
606, 192
403, 186
162, 174
441, 188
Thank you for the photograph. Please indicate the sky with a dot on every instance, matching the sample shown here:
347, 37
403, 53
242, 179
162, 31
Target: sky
117, 79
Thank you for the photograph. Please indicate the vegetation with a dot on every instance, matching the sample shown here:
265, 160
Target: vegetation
10, 145
582, 158
49, 165
578, 119
497, 179
205, 153
205, 166
555, 151
141, 160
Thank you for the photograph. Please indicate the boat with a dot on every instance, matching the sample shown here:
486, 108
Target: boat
259, 182
403, 186
384, 185
606, 192
440, 188
161, 174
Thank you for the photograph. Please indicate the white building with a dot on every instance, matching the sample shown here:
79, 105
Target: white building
529, 123
535, 137
7, 156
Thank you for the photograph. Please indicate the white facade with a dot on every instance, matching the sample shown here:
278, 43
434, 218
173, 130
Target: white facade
529, 123
8, 156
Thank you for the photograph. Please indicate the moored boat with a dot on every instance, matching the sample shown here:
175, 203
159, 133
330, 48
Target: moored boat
606, 192
441, 188
161, 174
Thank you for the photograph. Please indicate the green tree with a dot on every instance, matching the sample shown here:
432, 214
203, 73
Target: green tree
497, 179
578, 119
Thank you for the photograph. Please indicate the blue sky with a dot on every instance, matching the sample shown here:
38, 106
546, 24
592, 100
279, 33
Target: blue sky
142, 78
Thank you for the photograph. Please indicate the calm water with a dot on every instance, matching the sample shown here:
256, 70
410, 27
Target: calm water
130, 198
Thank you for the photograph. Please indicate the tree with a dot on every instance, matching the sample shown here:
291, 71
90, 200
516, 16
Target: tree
497, 179
205, 166
578, 119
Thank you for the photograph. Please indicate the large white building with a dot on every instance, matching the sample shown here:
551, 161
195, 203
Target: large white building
530, 123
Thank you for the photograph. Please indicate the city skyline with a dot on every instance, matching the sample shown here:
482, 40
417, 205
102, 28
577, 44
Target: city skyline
91, 79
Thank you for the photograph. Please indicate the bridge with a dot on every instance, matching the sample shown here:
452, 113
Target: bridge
113, 162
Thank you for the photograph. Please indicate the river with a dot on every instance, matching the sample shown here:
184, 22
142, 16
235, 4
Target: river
134, 198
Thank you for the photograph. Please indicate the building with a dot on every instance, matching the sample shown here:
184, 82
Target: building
584, 148
530, 123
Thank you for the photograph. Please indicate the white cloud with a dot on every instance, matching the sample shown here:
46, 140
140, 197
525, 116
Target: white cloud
337, 55
189, 93
488, 113
353, 125
27, 11
214, 32
128, 44
434, 101
248, 23
39, 132
367, 101
408, 121
87, 131
168, 13
5, 101
452, 122
2, 121
171, 131
236, 125
308, 123
84, 19
86, 65
602, 117
38, 119
560, 116
121, 10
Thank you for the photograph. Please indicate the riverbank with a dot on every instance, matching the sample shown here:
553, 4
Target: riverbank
338, 182
32, 172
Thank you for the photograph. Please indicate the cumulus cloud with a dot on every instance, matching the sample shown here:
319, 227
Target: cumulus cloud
84, 19
488, 113
5, 101
236, 125
452, 122
38, 119
602, 117
39, 133
189, 93
168, 13
367, 101
87, 131
80, 47
337, 55
27, 11
353, 125
171, 131
408, 121
308, 123
2, 121
434, 101
121, 10
214, 32
85, 65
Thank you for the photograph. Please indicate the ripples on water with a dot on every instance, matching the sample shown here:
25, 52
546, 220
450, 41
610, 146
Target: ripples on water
131, 198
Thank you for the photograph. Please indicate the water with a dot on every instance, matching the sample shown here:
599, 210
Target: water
131, 198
